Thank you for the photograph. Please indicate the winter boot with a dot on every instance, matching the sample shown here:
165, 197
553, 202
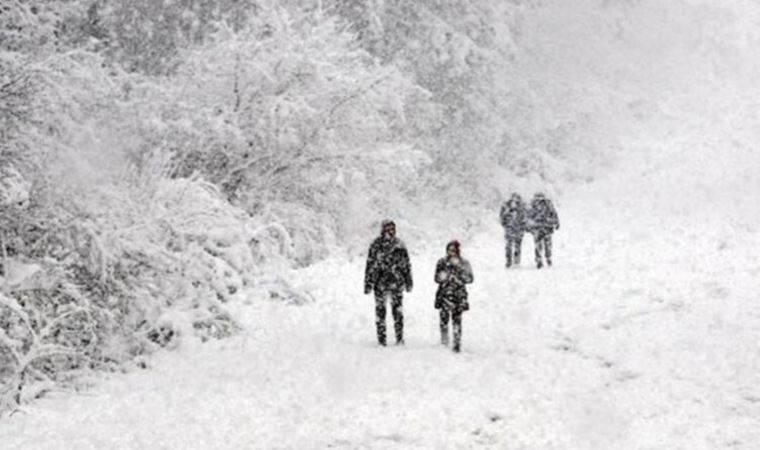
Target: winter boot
548, 261
539, 264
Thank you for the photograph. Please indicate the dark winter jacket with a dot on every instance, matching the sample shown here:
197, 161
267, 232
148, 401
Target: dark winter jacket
452, 278
388, 266
542, 217
512, 217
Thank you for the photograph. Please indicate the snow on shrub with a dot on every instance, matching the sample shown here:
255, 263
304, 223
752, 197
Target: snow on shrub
109, 287
14, 189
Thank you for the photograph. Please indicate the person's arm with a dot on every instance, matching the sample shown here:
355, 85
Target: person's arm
456, 271
555, 218
407, 270
530, 222
441, 274
371, 269
466, 271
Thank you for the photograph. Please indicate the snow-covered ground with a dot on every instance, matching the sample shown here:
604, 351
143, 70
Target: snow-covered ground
644, 335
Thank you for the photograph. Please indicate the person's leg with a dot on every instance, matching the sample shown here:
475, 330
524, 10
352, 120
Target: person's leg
538, 243
517, 250
444, 314
548, 248
509, 249
380, 315
398, 315
456, 321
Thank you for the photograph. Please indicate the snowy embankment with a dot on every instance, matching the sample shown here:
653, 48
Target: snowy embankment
643, 336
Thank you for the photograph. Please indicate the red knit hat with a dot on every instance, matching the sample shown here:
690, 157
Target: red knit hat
456, 245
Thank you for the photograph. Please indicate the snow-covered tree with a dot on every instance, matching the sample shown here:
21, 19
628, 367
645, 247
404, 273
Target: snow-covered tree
279, 111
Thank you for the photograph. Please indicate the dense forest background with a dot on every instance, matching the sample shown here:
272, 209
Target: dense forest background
159, 157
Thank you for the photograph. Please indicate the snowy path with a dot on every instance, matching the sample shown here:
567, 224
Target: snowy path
643, 336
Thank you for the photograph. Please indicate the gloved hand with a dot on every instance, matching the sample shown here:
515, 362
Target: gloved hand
556, 227
465, 306
408, 288
367, 289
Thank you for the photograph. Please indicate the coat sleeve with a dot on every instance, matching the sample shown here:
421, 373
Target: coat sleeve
407, 269
467, 276
441, 274
370, 271
553, 214
503, 215
530, 221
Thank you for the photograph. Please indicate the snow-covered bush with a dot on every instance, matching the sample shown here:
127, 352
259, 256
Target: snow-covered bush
282, 108
102, 259
114, 273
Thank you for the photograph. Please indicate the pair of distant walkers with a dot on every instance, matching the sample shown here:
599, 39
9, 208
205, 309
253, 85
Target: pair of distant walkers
389, 272
540, 220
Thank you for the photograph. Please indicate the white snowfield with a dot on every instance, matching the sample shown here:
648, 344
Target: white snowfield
644, 335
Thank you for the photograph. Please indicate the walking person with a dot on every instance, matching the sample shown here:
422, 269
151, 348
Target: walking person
388, 273
452, 273
542, 221
512, 217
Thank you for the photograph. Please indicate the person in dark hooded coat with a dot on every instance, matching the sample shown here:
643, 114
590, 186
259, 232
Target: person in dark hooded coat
452, 273
542, 221
388, 273
512, 217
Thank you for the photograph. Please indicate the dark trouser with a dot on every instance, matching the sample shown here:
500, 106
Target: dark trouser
543, 244
398, 314
513, 248
456, 320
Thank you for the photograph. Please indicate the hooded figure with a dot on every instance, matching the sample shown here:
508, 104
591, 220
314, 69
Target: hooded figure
452, 273
388, 273
512, 217
542, 221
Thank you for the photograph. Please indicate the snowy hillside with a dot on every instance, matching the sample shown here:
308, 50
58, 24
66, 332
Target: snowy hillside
643, 335
184, 231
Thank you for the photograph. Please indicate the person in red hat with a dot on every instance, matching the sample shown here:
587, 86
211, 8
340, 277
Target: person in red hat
452, 273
